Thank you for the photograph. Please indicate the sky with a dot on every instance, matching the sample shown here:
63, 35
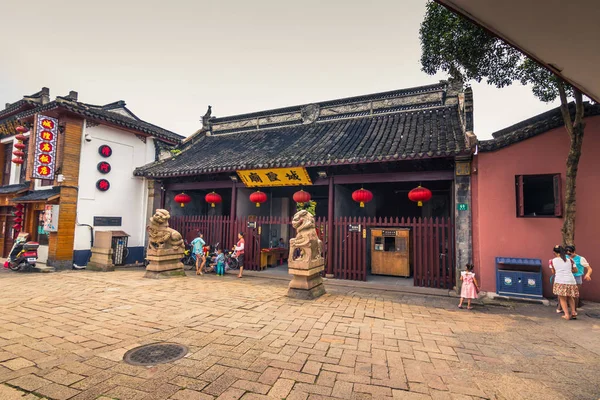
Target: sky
169, 60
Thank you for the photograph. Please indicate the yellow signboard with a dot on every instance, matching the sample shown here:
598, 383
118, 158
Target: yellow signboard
275, 177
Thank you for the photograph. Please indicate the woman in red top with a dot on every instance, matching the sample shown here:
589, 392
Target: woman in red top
239, 252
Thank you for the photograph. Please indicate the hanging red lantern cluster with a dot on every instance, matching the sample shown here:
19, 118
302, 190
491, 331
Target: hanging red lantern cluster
213, 198
258, 197
20, 146
362, 196
301, 197
419, 195
19, 220
182, 199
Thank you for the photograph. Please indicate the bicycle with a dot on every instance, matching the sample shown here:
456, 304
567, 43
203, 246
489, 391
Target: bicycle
231, 261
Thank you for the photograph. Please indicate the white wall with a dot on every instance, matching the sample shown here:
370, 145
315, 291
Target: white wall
127, 195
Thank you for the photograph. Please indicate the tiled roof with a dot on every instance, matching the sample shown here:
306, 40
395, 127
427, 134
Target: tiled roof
38, 195
16, 188
107, 114
533, 126
396, 135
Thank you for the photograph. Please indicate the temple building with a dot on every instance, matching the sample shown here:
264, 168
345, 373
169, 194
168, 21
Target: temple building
368, 162
67, 172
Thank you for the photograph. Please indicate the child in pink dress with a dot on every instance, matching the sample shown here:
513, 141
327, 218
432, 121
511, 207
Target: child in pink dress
470, 287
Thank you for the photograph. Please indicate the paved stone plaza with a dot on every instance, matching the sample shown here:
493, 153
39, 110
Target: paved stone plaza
63, 336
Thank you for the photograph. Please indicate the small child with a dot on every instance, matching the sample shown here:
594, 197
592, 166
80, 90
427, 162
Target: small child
470, 287
219, 259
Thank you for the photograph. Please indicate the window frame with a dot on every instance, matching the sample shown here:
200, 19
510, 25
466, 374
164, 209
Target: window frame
556, 190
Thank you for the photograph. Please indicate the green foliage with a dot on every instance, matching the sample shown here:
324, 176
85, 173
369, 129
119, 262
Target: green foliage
175, 152
466, 52
311, 207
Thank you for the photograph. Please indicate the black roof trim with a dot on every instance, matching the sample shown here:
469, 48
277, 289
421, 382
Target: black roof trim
38, 195
533, 126
328, 103
16, 188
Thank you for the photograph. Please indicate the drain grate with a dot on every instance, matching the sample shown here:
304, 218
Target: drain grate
157, 353
593, 315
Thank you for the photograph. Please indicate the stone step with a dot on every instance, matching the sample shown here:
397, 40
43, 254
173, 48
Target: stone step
44, 268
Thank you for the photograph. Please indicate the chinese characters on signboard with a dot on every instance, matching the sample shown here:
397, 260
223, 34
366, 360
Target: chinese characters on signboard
104, 168
46, 132
275, 177
103, 185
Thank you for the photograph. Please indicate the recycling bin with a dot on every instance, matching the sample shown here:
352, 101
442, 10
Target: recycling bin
519, 277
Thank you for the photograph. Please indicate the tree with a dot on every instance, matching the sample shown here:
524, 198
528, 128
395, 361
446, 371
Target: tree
311, 207
467, 52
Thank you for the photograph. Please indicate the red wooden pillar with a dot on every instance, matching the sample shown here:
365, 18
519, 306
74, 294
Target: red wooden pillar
330, 230
233, 212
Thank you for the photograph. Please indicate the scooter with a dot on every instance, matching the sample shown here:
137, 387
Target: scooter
23, 255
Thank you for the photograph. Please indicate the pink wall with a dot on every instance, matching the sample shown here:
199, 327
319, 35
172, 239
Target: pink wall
496, 229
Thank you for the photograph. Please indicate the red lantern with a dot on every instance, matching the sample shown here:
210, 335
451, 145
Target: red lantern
362, 196
22, 129
19, 206
301, 197
213, 198
17, 160
258, 197
17, 227
20, 137
19, 153
420, 194
182, 199
18, 213
20, 146
18, 220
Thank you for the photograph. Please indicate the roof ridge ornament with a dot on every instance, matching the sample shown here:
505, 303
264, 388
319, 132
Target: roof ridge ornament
310, 113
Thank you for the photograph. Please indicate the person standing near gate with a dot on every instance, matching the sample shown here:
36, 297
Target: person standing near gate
239, 252
197, 249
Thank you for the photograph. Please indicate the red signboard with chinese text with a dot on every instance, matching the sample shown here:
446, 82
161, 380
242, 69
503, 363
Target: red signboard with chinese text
103, 167
103, 185
46, 132
105, 150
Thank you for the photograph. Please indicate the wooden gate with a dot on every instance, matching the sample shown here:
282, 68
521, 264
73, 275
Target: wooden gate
432, 245
431, 241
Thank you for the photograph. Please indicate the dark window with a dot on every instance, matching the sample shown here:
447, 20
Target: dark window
7, 163
46, 182
23, 175
539, 195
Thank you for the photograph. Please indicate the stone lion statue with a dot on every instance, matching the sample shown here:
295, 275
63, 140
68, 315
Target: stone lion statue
306, 245
160, 236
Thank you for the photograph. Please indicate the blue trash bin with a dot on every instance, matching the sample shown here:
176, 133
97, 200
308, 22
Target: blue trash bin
519, 277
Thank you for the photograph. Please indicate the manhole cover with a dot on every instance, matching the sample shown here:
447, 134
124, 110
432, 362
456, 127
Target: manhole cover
157, 353
593, 315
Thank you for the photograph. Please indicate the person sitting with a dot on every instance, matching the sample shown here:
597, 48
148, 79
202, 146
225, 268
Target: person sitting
219, 260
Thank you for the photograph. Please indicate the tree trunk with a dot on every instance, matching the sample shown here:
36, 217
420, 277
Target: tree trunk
568, 229
575, 129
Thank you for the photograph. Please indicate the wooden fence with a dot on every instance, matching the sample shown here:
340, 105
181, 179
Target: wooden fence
432, 243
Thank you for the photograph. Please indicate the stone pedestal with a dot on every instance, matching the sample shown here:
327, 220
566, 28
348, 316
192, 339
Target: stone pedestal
306, 284
163, 264
101, 260
305, 261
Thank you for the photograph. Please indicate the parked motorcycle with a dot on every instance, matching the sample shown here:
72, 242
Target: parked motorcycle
23, 255
189, 258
